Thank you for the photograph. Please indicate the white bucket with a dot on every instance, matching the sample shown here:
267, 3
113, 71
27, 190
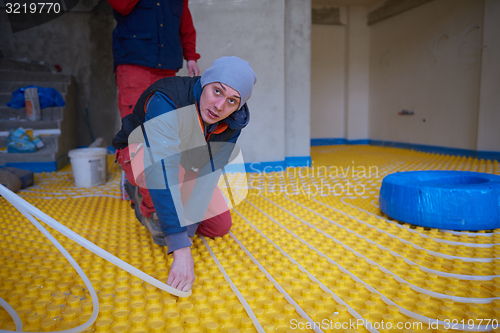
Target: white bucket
89, 166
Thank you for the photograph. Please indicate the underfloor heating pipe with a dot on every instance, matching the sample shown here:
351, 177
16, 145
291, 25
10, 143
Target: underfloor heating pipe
30, 212
482, 328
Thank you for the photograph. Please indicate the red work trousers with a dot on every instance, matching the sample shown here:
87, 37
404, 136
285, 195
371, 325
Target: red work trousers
216, 225
132, 81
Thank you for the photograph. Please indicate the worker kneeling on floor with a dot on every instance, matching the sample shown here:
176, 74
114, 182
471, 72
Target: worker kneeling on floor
173, 149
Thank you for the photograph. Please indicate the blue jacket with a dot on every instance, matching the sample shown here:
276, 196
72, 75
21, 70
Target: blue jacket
152, 107
149, 35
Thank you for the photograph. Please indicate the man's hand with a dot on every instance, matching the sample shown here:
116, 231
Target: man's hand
193, 68
181, 274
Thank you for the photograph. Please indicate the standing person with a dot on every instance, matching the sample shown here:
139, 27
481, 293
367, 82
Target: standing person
149, 41
181, 133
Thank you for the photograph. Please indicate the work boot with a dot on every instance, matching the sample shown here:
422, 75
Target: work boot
153, 225
136, 199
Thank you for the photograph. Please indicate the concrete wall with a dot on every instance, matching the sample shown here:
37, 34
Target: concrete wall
327, 81
254, 31
339, 77
357, 62
297, 77
427, 60
489, 99
439, 60
80, 42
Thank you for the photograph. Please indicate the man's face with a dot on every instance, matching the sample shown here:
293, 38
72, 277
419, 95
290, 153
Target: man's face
217, 102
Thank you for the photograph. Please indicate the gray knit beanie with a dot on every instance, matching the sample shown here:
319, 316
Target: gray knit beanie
233, 72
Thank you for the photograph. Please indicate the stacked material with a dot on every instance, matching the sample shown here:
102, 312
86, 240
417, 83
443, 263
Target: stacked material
23, 141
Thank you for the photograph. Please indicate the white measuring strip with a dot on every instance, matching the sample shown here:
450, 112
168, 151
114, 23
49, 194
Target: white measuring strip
276, 284
353, 312
68, 196
437, 254
444, 241
95, 195
72, 191
414, 287
28, 191
457, 233
438, 240
44, 198
386, 300
408, 261
471, 234
421, 234
242, 299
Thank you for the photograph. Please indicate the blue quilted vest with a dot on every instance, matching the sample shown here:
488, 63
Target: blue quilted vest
149, 35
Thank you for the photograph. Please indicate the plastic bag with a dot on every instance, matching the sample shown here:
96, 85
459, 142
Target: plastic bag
48, 97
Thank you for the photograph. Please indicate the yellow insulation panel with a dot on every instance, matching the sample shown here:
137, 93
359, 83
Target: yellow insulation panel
309, 250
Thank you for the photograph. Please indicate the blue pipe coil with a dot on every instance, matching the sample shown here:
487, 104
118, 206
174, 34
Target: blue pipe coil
455, 200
